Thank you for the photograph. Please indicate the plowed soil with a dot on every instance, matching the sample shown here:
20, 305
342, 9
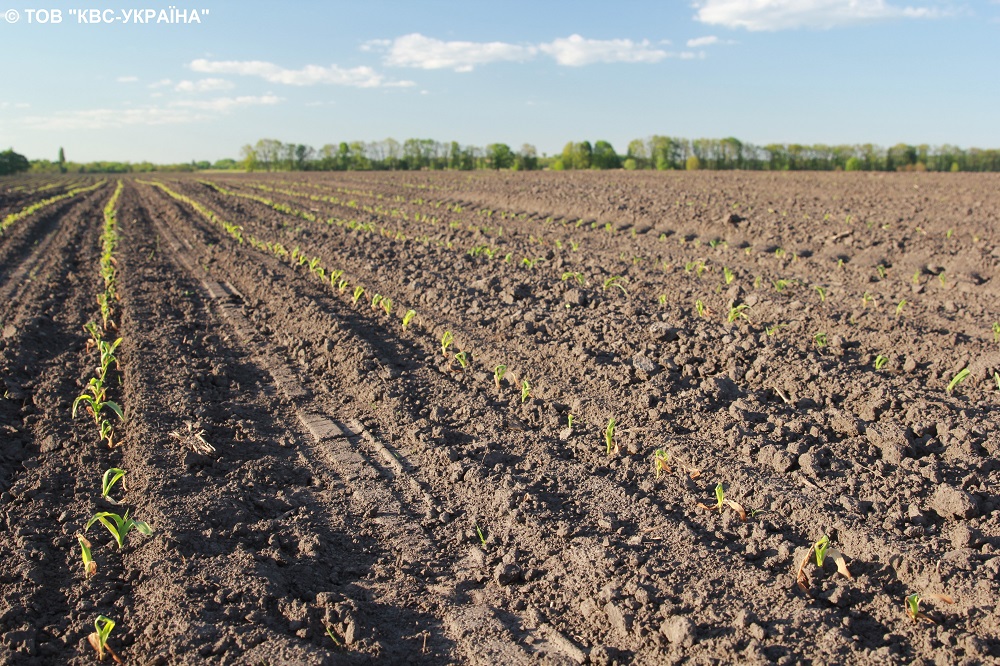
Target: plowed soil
327, 485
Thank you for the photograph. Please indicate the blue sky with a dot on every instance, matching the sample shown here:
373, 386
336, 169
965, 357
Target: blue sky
542, 72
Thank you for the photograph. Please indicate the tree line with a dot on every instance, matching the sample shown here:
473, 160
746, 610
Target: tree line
654, 153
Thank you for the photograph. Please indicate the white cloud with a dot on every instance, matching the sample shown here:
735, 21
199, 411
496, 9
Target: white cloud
702, 41
162, 83
310, 75
204, 85
173, 113
757, 15
416, 50
127, 79
224, 104
575, 51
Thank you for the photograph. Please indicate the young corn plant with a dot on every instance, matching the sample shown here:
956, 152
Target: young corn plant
111, 477
358, 293
613, 281
498, 374
820, 339
721, 503
880, 361
822, 293
525, 391
463, 359
899, 308
728, 275
408, 317
578, 277
376, 301
957, 379
661, 462
342, 286
609, 437
913, 606
700, 308
822, 550
89, 565
737, 312
996, 331
446, 339
119, 526
387, 306
99, 639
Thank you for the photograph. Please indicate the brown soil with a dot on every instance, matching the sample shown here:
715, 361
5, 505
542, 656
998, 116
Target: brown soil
369, 498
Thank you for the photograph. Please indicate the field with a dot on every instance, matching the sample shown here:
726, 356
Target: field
623, 416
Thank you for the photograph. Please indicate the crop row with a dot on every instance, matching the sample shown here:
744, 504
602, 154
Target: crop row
11, 219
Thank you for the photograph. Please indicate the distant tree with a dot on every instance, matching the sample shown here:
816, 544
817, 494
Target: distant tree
853, 164
604, 156
11, 162
527, 157
692, 163
638, 153
62, 160
248, 158
202, 165
224, 164
499, 156
630, 164
268, 153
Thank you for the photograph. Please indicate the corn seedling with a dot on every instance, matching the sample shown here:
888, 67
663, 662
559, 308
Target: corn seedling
613, 282
569, 421
575, 276
89, 565
482, 537
111, 477
721, 502
387, 306
822, 550
949, 234
446, 341
780, 285
119, 526
916, 277
609, 436
771, 330
408, 317
913, 606
996, 331
880, 361
700, 308
525, 391
820, 339
342, 286
958, 379
822, 293
737, 312
942, 279
498, 374
99, 639
662, 299
996, 378
661, 462
376, 301
358, 293
880, 269
329, 633
899, 308
463, 359
95, 401
867, 299
728, 275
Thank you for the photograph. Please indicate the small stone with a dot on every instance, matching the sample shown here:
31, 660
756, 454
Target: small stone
678, 630
662, 332
644, 364
950, 502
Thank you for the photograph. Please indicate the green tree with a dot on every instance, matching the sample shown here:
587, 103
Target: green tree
499, 156
604, 156
62, 160
853, 164
692, 163
527, 157
11, 162
248, 158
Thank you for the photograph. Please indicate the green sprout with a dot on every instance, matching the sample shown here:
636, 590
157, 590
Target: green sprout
780, 285
613, 282
99, 639
720, 496
913, 605
482, 537
89, 565
329, 632
376, 301
728, 275
996, 378
463, 359
358, 293
609, 436
737, 312
525, 391
575, 276
119, 526
916, 277
342, 285
408, 317
880, 269
880, 361
867, 299
111, 477
661, 460
958, 379
899, 308
771, 330
820, 547
446, 341
822, 293
700, 308
662, 299
820, 339
569, 421
498, 374
387, 306
950, 233
996, 331
942, 279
